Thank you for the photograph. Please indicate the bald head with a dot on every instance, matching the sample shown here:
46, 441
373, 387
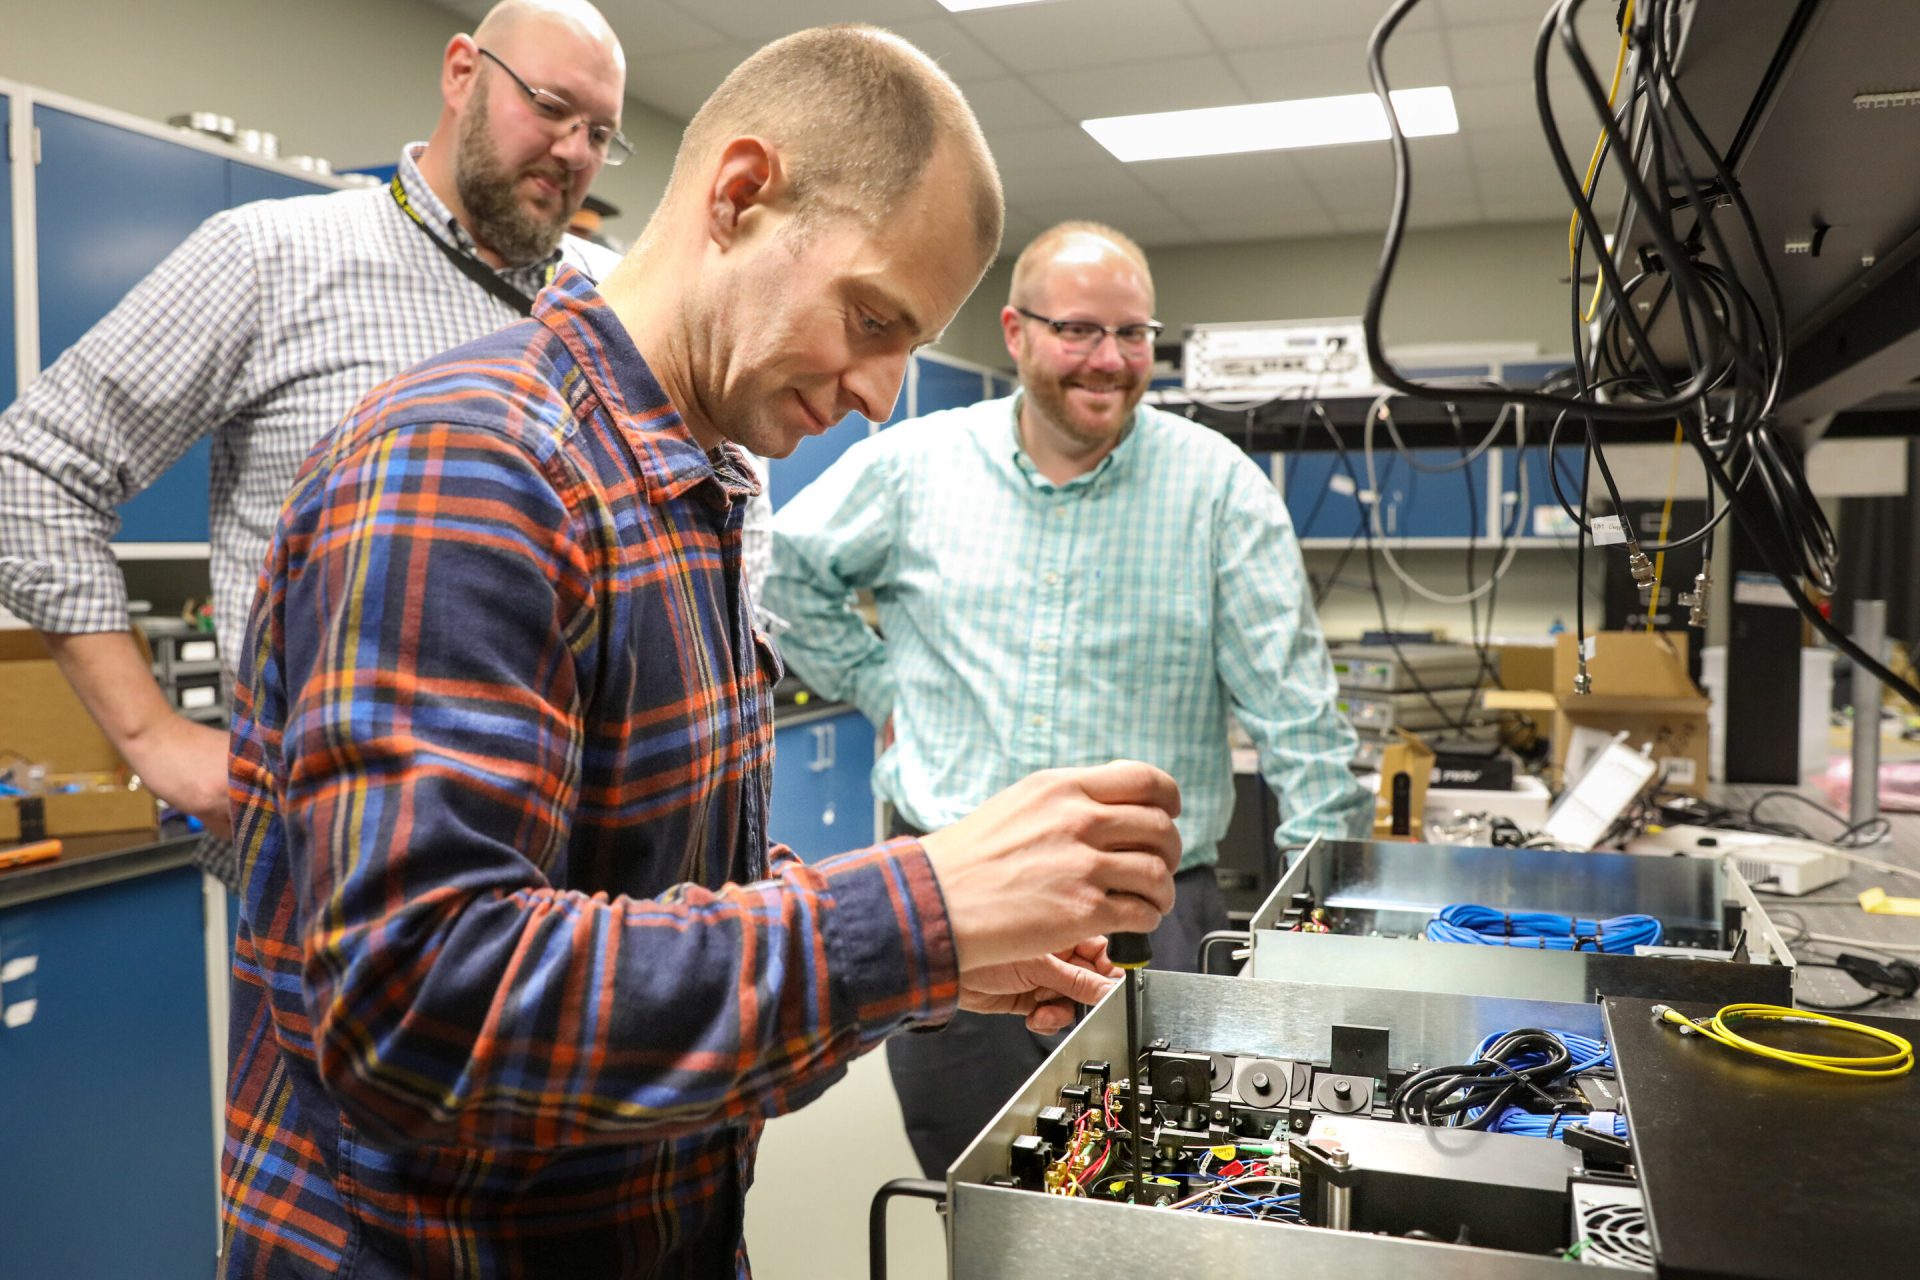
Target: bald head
1072, 244
509, 24
857, 115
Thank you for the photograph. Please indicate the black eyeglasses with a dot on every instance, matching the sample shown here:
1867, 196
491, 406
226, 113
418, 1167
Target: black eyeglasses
1077, 335
604, 138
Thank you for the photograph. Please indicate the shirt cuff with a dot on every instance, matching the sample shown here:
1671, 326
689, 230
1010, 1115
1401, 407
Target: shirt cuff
889, 944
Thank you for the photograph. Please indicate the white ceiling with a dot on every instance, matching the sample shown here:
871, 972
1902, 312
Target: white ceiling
1033, 72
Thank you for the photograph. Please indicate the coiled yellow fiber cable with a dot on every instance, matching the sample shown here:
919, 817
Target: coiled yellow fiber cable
1719, 1028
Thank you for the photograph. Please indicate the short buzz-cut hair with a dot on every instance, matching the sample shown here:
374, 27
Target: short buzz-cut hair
1033, 259
857, 114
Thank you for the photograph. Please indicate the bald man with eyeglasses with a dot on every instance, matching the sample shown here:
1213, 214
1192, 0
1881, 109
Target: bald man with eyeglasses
1064, 576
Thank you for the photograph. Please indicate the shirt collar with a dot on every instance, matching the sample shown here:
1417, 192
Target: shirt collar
529, 278
1115, 463
671, 461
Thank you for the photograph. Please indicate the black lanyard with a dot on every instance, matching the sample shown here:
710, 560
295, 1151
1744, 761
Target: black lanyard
477, 271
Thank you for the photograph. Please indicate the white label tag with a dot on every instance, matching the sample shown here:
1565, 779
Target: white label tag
1761, 589
1590, 647
1341, 484
196, 698
1677, 769
1608, 531
19, 1015
18, 968
198, 651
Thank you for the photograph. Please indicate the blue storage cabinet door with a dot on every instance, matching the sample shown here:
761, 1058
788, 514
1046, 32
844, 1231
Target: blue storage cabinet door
1321, 496
822, 788
9, 384
106, 1112
111, 204
247, 183
1541, 514
940, 386
1430, 503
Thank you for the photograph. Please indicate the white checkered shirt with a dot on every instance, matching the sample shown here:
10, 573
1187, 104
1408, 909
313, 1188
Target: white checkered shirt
1030, 625
263, 329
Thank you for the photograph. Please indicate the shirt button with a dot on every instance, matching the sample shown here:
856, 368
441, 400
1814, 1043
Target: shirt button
1053, 579
1039, 720
1045, 646
1059, 513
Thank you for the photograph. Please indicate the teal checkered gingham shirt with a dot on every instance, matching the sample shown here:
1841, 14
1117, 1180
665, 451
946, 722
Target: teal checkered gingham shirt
1030, 625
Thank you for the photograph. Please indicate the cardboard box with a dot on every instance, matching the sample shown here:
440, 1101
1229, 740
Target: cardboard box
1641, 688
1411, 756
41, 720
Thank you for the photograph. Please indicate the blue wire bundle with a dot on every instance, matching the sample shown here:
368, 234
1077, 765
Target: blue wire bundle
1528, 1124
1544, 930
1586, 1052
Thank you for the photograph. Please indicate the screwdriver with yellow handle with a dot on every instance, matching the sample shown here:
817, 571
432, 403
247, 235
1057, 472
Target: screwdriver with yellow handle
1130, 953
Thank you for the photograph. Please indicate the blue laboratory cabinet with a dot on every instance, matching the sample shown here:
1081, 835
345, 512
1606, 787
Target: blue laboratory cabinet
110, 203
932, 383
106, 1091
1430, 500
822, 793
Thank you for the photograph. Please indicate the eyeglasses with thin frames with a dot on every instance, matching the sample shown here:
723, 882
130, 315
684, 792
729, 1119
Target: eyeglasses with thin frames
551, 107
1081, 335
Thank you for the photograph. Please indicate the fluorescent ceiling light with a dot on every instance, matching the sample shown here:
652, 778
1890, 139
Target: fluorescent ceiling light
967, 6
1274, 126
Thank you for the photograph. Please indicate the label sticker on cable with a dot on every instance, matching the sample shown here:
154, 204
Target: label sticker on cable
1342, 485
1760, 588
1608, 531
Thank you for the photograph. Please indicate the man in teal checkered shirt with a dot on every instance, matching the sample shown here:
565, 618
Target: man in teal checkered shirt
1063, 577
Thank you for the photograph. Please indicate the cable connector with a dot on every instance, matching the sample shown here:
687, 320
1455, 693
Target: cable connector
1582, 682
1696, 600
1641, 568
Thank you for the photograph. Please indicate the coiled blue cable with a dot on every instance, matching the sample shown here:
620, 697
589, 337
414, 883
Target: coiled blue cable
1544, 930
1527, 1124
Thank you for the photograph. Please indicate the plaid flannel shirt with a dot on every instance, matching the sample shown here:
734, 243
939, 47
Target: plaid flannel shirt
517, 978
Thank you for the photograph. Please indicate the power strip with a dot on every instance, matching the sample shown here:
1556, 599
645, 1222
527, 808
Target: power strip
1775, 863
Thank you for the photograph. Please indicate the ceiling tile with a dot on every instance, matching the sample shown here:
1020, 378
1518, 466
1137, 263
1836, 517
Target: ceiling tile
948, 44
1086, 33
1119, 207
1450, 214
1506, 147
1230, 186
1142, 224
1524, 201
1320, 70
1239, 24
1353, 178
1268, 226
1169, 84
655, 27
1010, 103
678, 83
1495, 54
758, 22
1048, 147
1076, 182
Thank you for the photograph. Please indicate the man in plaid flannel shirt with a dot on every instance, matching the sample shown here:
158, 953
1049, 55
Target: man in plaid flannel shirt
518, 975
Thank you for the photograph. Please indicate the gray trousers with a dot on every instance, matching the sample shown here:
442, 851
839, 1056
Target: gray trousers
951, 1082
